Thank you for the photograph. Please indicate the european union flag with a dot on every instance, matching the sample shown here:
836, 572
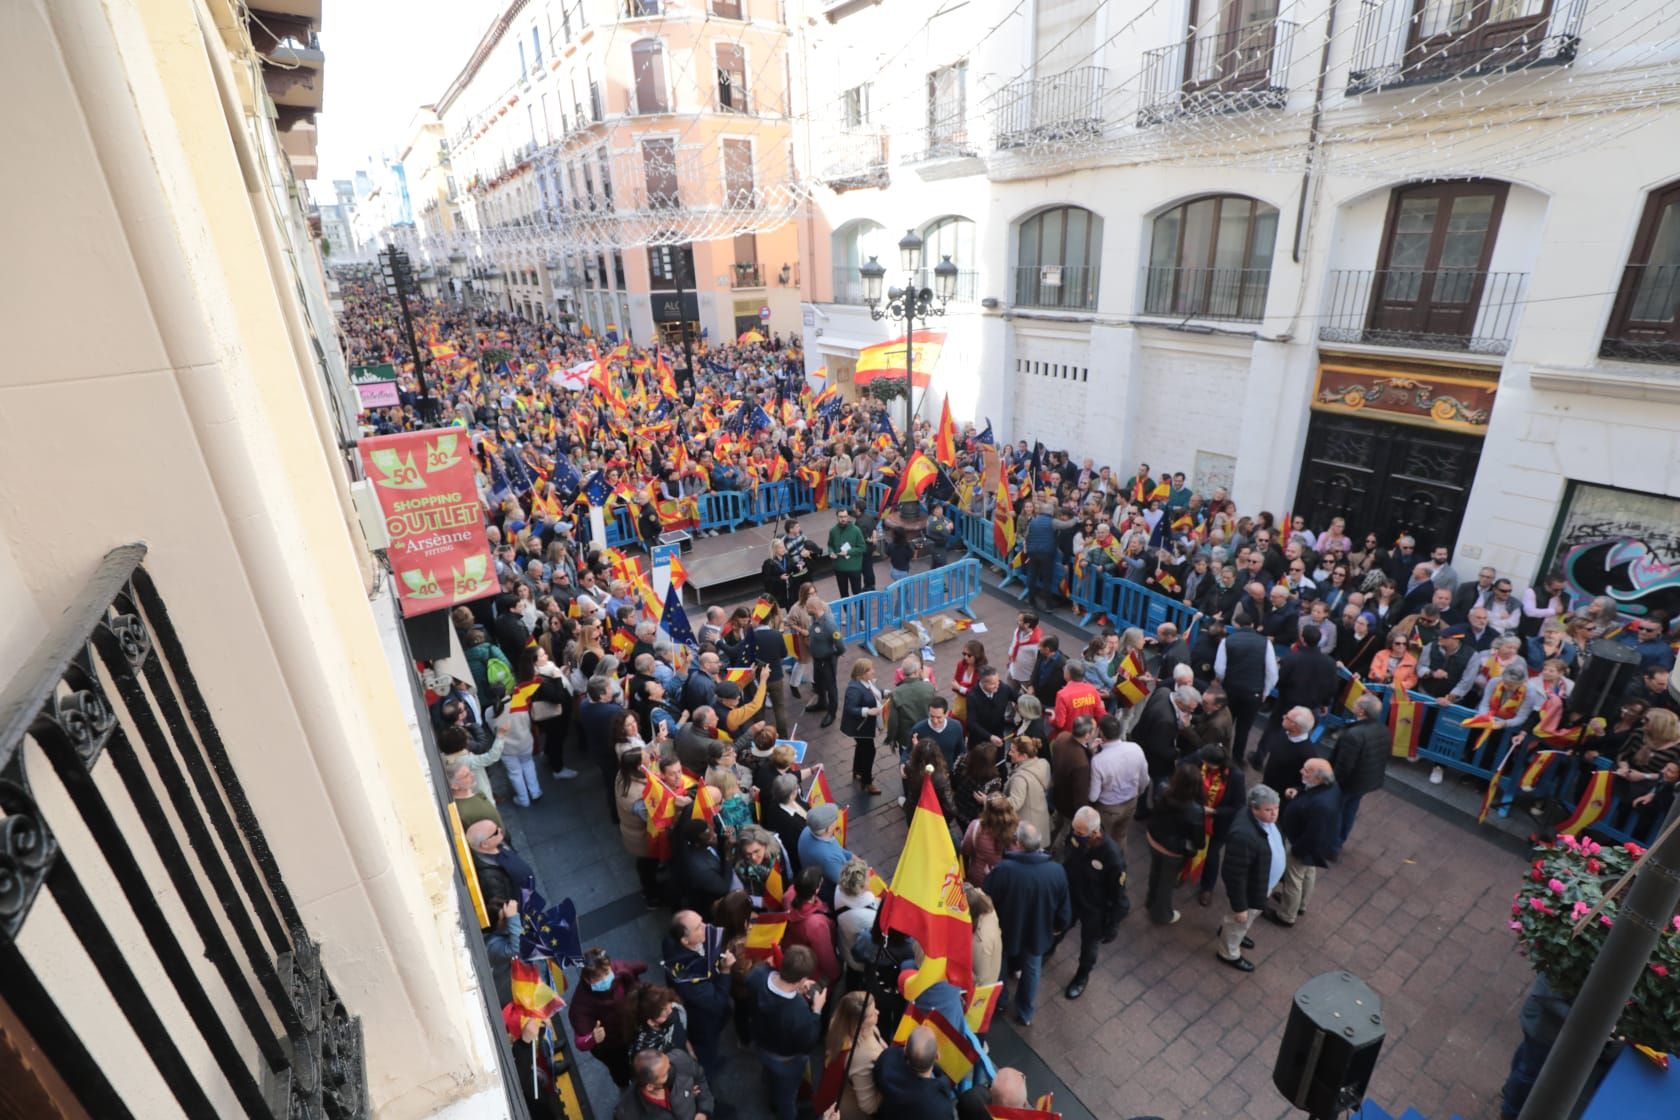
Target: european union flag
758, 419
518, 476
830, 408
884, 424
596, 489
566, 478
550, 932
986, 437
737, 424
674, 620
661, 410
502, 370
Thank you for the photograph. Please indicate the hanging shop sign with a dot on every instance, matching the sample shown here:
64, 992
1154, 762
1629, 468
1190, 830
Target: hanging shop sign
1460, 401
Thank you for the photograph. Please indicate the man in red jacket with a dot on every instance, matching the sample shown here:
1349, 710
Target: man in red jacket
1076, 698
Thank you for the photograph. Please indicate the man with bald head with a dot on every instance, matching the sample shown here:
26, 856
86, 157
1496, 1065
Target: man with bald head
911, 1088
501, 870
1009, 1089
1311, 824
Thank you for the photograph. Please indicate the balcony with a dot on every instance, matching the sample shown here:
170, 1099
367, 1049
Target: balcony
1237, 294
848, 286
1426, 309
1409, 42
747, 276
1644, 327
640, 9
855, 158
109, 711
1050, 110
1242, 69
1056, 286
948, 140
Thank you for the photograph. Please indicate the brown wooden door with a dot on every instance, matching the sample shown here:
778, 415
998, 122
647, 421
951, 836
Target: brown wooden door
1450, 36
1646, 319
1230, 44
1387, 478
1434, 261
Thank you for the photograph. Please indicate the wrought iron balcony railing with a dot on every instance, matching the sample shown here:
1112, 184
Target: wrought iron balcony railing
1051, 109
1237, 70
1056, 286
1409, 42
848, 286
111, 704
855, 158
1206, 293
1428, 309
747, 276
1645, 326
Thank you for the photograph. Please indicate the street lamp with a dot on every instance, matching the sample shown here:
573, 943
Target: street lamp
908, 303
399, 285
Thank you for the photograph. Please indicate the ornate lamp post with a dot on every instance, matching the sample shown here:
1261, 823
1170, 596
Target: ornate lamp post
909, 303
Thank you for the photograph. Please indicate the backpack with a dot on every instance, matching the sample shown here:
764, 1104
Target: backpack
499, 673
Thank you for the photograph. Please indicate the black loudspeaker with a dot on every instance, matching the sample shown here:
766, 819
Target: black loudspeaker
1330, 1045
428, 635
1608, 671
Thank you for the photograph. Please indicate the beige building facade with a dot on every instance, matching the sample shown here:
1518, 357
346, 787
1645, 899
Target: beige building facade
175, 383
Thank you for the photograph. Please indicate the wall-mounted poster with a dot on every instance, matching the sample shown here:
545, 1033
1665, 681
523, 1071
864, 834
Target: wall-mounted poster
1620, 543
1213, 471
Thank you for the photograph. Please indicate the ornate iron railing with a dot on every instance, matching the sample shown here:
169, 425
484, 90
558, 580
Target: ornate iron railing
111, 682
1206, 293
1056, 286
1051, 109
1408, 42
1643, 326
1423, 308
1240, 69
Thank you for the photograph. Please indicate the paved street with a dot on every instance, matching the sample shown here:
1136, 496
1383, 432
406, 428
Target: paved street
1416, 907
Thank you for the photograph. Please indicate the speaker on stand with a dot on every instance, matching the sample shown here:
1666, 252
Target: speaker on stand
1608, 671
1330, 1045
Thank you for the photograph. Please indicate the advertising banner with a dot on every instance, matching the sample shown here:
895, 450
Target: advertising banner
376, 385
438, 550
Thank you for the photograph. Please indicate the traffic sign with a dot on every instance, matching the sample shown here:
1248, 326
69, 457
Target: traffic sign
764, 314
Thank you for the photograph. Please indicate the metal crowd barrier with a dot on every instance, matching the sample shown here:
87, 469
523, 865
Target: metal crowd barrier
869, 613
1446, 742
722, 510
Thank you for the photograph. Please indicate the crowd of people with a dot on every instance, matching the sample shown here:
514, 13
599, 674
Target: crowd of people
1047, 763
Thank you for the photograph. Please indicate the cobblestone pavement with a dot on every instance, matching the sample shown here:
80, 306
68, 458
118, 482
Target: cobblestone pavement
1416, 907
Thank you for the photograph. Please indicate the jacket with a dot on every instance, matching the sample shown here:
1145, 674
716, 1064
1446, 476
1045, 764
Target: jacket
1070, 775
701, 877
1284, 759
1028, 789
1310, 824
860, 1096
1245, 663
1210, 730
687, 1095
826, 638
1231, 801
1030, 891
1307, 679
588, 1007
1076, 698
1360, 757
697, 691
701, 985
593, 720
909, 707
847, 560
1096, 875
906, 1096
1041, 535
1247, 866
988, 949
787, 826
810, 925
852, 720
785, 1027
988, 715
1156, 731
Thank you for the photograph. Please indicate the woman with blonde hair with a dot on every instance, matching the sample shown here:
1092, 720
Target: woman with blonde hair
854, 1041
988, 937
798, 622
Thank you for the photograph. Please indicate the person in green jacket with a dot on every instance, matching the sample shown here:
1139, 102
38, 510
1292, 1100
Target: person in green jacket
846, 543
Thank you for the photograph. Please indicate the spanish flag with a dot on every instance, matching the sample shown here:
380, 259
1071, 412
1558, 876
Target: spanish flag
1406, 722
1126, 687
1492, 794
1487, 722
982, 1005
661, 806
764, 937
926, 898
919, 473
957, 1055
945, 439
1594, 801
532, 993
1003, 520
774, 887
1355, 689
822, 794
1537, 767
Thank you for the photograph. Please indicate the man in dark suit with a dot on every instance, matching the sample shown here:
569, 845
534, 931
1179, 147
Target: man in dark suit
910, 1085
1420, 589
1030, 892
596, 713
1047, 675
988, 707
1254, 856
1158, 726
1096, 875
1360, 761
1309, 823
1171, 650
1290, 746
1475, 594
1306, 679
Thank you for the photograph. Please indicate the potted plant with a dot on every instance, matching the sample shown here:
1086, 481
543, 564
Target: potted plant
1563, 885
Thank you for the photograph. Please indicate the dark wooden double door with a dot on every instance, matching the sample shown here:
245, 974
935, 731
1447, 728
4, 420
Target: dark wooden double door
1386, 478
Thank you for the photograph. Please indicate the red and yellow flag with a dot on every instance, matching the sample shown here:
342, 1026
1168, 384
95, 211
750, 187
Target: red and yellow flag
1128, 690
1406, 724
1003, 520
914, 480
982, 1005
1492, 794
764, 937
774, 888
1594, 801
661, 806
531, 991
1355, 689
823, 794
926, 898
945, 439
1537, 767
957, 1055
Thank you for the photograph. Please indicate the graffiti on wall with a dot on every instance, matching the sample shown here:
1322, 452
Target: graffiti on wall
1621, 544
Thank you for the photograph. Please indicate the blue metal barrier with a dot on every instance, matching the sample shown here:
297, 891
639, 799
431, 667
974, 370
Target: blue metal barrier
1132, 604
861, 617
801, 498
621, 528
769, 502
722, 510
875, 496
1086, 592
842, 491
952, 587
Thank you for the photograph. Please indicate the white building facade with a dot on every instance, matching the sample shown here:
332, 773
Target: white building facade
1411, 262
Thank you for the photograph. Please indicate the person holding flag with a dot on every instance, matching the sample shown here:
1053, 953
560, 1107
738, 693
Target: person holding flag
787, 1006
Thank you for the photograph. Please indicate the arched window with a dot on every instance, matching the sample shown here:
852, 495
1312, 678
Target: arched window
1645, 324
853, 244
1211, 258
647, 62
1056, 259
952, 237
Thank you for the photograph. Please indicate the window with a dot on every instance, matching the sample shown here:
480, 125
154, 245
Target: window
947, 110
747, 272
606, 174
1645, 320
952, 237
1057, 251
536, 48
1230, 44
1435, 254
728, 9
634, 9
1211, 258
659, 164
737, 172
852, 246
618, 270
670, 267
588, 183
647, 62
731, 78
522, 70
854, 106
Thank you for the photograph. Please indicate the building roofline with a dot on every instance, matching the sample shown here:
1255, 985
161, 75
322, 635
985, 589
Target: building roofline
492, 35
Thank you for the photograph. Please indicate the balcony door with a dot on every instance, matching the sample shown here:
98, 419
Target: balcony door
1646, 321
1230, 44
1434, 260
1451, 35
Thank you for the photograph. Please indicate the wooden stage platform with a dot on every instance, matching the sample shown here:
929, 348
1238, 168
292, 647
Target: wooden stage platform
714, 563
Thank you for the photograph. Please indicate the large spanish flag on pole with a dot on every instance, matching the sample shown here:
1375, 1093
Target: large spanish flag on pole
926, 898
918, 474
1594, 800
886, 359
945, 439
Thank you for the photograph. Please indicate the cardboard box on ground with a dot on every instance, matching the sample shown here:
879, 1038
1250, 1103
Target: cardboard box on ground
894, 645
